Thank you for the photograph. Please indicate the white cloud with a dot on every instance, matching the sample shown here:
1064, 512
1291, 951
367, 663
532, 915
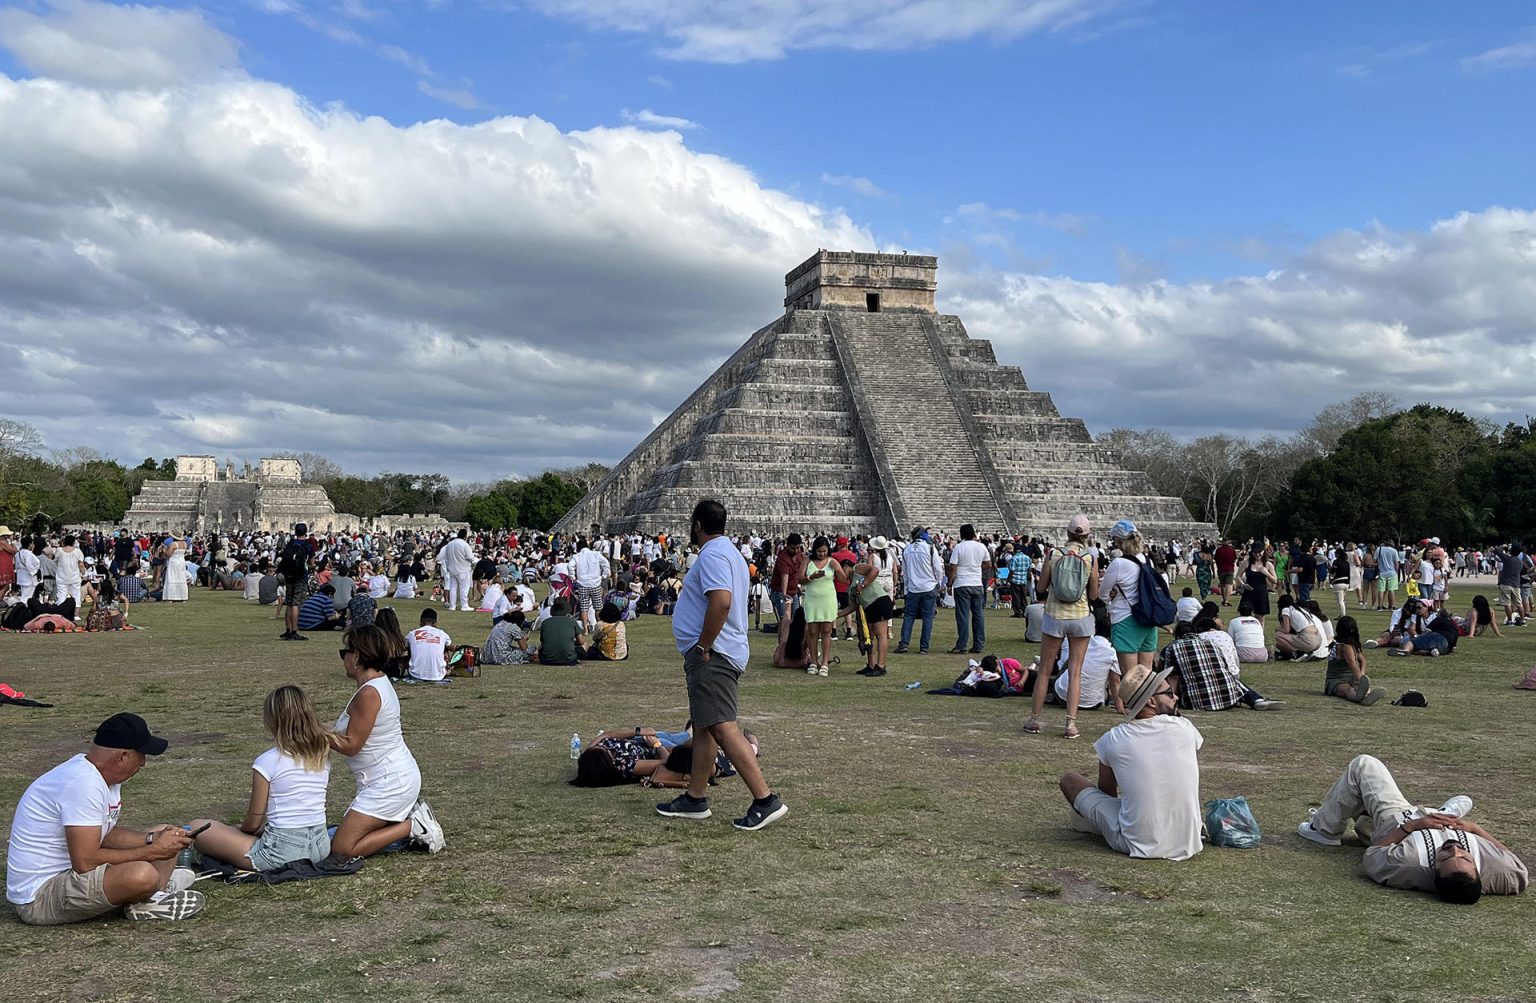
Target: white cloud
859, 185
459, 97
409, 60
226, 266
111, 46
747, 30
651, 120
1439, 315
1505, 57
657, 80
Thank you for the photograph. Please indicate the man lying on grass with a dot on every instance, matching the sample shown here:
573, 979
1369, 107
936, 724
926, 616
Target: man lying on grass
1414, 847
68, 861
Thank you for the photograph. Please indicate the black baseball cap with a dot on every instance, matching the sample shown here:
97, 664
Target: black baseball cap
128, 731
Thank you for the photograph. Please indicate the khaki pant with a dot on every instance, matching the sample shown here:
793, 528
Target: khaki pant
1367, 795
70, 897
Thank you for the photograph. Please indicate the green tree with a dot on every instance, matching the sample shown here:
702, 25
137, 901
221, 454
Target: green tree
491, 511
544, 499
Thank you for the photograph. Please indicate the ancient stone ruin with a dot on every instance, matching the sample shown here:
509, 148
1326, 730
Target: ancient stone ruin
863, 409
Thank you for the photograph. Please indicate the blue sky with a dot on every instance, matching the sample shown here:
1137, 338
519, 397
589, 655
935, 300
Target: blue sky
1191, 137
1279, 205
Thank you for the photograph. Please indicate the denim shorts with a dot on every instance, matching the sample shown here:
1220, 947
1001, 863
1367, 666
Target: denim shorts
276, 847
1080, 627
1432, 641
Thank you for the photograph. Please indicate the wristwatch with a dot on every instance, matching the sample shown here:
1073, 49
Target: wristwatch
149, 838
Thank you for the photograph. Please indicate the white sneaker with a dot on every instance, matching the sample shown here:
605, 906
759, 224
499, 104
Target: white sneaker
176, 905
424, 827
182, 878
822, 672
810, 669
1460, 806
1372, 643
1305, 831
1269, 705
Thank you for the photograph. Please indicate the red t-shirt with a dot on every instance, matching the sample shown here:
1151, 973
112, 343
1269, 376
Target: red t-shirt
840, 556
784, 567
1226, 559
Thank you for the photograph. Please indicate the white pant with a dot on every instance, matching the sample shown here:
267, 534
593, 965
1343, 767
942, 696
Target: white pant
458, 590
1367, 795
62, 589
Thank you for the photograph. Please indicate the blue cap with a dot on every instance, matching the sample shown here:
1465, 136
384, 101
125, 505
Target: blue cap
1122, 530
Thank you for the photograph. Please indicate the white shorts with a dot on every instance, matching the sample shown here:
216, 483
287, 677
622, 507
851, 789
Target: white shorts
389, 790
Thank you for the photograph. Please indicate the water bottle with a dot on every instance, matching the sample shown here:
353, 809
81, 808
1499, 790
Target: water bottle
186, 855
918, 684
575, 745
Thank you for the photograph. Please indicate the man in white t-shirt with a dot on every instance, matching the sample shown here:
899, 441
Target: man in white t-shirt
1187, 608
429, 649
591, 571
457, 561
970, 565
68, 860
1146, 802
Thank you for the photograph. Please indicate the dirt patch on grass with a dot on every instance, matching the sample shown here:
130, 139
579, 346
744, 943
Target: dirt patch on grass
1061, 885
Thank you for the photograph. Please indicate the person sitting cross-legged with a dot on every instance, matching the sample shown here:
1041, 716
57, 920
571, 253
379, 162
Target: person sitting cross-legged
1413, 847
1146, 802
319, 611
1206, 674
68, 859
560, 637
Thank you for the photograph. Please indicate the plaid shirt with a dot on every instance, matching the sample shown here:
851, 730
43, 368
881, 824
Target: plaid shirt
130, 588
1018, 568
1207, 682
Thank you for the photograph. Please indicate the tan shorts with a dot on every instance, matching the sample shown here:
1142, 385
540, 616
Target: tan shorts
1509, 595
70, 897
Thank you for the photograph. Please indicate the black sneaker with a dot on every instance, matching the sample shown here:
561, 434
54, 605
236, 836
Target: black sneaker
957, 651
685, 805
901, 649
867, 670
878, 671
298, 637
762, 813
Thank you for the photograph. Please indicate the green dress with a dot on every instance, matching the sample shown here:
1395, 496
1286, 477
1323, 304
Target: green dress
820, 595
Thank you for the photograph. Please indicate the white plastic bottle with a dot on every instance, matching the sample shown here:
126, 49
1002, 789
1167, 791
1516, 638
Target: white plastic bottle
575, 745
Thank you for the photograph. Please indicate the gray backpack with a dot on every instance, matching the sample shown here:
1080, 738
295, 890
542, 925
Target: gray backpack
1069, 578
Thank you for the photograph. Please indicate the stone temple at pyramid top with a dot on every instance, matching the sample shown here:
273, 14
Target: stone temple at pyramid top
864, 410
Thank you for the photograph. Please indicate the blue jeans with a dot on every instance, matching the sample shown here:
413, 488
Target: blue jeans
970, 618
1304, 590
779, 604
919, 604
1432, 641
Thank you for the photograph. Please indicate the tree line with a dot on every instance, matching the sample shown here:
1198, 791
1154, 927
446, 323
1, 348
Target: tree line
1364, 468
42, 489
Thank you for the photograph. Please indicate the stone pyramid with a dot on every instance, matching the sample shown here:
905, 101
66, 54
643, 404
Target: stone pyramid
861, 409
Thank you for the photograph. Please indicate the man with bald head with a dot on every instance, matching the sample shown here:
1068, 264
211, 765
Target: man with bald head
68, 859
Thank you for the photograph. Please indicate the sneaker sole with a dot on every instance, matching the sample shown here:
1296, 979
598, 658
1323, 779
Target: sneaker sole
691, 816
768, 819
181, 905
1305, 831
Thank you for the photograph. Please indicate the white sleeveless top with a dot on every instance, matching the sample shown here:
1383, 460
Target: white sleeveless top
385, 743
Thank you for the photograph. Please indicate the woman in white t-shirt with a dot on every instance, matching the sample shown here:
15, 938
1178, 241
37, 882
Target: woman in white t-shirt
285, 819
1299, 634
1247, 632
386, 808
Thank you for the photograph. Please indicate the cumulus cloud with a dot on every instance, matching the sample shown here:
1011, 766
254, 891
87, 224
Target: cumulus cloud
110, 46
748, 30
651, 120
1440, 314
224, 266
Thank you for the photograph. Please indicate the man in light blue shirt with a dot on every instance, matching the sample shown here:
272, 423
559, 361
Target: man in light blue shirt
1388, 562
709, 625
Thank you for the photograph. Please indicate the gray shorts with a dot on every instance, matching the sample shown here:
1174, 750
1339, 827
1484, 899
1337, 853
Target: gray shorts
1081, 627
711, 688
1097, 813
69, 897
276, 847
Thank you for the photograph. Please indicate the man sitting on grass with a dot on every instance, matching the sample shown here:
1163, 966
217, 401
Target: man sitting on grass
68, 861
319, 611
1206, 674
560, 636
1411, 846
1147, 799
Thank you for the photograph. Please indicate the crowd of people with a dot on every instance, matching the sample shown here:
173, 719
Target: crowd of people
1109, 630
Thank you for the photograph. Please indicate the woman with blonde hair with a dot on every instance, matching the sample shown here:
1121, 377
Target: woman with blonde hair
285, 819
386, 807
1070, 581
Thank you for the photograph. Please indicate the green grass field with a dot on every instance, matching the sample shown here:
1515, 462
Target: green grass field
925, 854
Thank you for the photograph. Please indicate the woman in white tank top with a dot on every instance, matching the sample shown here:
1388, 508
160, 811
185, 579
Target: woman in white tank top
387, 807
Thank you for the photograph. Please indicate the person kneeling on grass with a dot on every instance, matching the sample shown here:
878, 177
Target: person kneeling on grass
387, 807
1346, 678
68, 859
1147, 799
1411, 846
1206, 674
285, 818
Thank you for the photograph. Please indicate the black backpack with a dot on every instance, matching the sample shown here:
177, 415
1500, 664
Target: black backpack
291, 564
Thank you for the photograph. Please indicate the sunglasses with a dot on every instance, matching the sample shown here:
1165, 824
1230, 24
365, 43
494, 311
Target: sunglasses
344, 652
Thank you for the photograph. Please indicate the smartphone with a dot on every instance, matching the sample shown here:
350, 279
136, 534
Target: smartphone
200, 830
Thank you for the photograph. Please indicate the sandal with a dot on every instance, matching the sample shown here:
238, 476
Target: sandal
1070, 731
1032, 726
810, 669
